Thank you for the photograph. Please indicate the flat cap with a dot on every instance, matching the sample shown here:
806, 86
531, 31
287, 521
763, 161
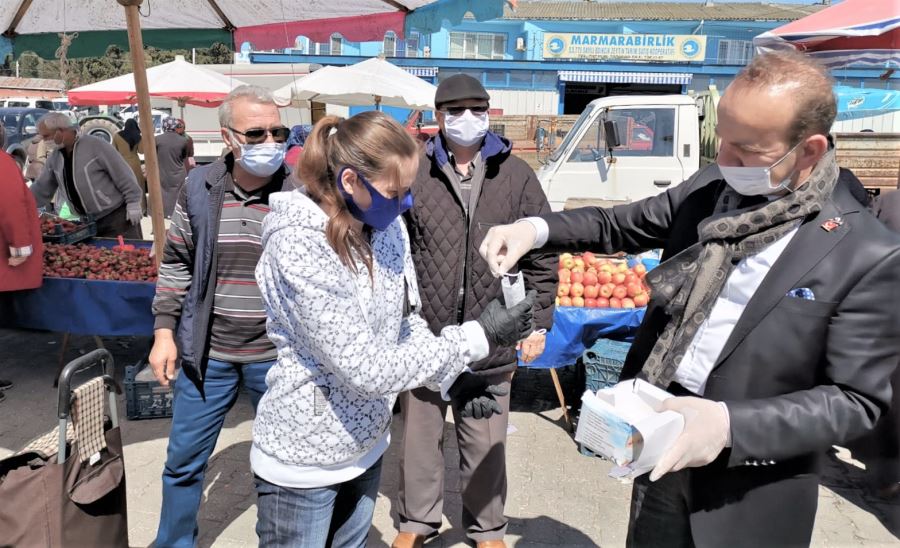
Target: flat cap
459, 87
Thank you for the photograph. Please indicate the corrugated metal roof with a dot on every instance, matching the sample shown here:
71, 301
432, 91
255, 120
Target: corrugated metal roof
659, 11
48, 84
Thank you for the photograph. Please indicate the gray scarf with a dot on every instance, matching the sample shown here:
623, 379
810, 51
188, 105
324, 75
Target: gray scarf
690, 282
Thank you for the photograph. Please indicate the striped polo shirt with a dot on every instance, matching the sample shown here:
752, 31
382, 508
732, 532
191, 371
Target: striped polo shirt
238, 331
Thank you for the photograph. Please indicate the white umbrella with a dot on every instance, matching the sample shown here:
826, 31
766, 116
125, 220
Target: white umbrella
263, 22
179, 80
371, 82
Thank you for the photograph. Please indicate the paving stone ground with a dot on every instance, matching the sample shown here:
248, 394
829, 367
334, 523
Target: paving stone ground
556, 496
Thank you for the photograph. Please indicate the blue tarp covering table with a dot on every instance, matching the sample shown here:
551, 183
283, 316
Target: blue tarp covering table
576, 329
88, 307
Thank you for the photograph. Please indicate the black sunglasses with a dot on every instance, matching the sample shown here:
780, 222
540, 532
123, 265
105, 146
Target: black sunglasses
456, 111
258, 135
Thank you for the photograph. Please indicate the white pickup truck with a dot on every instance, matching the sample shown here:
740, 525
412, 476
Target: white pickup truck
661, 140
658, 146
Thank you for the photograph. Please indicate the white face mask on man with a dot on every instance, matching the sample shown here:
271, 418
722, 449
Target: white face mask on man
466, 129
756, 181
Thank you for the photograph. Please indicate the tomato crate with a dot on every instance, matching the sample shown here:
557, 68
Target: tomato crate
145, 398
84, 231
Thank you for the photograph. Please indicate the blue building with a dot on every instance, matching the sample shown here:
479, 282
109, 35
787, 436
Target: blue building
555, 57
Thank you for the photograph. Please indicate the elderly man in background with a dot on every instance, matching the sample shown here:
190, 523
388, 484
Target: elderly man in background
92, 177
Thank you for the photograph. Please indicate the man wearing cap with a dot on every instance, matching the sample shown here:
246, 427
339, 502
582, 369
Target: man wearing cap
467, 182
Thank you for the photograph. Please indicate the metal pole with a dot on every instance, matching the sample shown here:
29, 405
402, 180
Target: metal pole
136, 44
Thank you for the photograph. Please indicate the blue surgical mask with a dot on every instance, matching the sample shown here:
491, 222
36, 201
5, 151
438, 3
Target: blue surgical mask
263, 159
382, 212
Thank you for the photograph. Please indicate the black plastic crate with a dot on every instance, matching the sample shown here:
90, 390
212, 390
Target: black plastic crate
146, 399
85, 231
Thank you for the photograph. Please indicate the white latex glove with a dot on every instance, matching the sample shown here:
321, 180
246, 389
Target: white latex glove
504, 245
133, 213
705, 434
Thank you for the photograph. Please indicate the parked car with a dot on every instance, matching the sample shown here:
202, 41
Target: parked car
29, 102
20, 125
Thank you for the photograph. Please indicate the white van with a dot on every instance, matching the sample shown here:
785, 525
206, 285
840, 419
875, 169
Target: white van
29, 102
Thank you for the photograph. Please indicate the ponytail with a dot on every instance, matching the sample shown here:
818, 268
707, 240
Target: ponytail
320, 176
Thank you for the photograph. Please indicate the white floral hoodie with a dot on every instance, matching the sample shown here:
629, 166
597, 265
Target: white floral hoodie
345, 349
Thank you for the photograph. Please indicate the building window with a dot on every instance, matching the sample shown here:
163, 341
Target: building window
735, 52
412, 44
390, 44
337, 44
477, 45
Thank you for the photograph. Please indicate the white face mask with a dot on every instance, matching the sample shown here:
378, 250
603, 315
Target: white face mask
262, 159
756, 181
466, 129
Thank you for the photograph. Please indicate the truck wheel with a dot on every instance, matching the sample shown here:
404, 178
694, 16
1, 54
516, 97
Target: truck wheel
100, 128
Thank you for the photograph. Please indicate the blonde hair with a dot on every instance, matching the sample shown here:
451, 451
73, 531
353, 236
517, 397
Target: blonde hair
372, 144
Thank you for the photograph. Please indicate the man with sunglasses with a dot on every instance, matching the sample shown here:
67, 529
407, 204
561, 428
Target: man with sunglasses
467, 182
208, 301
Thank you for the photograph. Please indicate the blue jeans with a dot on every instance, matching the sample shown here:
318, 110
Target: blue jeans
196, 423
336, 515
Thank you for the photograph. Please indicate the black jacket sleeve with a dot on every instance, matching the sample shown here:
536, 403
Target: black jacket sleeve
539, 267
632, 228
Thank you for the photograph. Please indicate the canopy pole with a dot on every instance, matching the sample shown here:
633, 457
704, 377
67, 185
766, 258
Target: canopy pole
136, 44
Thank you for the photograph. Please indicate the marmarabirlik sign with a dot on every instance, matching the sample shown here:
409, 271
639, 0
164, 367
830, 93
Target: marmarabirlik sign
633, 47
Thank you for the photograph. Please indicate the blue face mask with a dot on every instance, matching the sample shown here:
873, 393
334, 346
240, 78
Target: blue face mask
383, 210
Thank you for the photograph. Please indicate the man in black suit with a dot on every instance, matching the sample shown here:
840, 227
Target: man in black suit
775, 315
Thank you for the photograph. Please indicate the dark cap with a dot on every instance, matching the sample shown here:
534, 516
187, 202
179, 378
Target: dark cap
459, 87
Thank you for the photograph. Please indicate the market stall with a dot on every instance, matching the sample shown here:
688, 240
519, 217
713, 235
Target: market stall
597, 298
86, 290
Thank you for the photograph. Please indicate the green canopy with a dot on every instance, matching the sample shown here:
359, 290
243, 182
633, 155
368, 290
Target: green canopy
94, 44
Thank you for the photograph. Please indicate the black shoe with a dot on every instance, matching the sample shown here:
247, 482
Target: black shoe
5, 384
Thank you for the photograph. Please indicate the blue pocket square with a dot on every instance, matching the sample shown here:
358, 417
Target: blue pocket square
802, 293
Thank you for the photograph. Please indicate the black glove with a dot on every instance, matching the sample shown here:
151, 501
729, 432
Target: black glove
474, 397
504, 327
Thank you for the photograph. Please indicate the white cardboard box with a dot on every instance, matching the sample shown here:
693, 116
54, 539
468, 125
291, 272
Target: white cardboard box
623, 424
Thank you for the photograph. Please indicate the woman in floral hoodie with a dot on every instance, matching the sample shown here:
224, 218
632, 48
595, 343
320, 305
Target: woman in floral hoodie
342, 298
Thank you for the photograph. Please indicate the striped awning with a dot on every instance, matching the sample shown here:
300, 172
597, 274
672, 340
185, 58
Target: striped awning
625, 77
427, 72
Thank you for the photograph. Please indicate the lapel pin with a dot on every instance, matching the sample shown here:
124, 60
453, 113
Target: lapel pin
832, 224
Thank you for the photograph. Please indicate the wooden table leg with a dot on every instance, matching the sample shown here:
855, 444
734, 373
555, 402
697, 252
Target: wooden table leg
562, 398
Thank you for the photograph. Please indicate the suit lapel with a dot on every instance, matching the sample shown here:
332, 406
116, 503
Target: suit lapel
808, 247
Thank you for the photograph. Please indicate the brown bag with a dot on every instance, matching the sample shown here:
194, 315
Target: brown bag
81, 501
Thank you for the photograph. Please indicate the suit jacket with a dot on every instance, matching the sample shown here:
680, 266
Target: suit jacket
797, 375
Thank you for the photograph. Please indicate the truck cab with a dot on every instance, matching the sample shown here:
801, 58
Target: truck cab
622, 149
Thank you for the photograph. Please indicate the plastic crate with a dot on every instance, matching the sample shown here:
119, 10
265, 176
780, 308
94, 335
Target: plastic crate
146, 399
85, 231
602, 366
603, 363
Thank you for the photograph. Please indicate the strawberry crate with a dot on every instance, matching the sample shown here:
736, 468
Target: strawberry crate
82, 231
145, 398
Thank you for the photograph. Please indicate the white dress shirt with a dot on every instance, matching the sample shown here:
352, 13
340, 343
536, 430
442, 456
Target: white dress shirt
742, 283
